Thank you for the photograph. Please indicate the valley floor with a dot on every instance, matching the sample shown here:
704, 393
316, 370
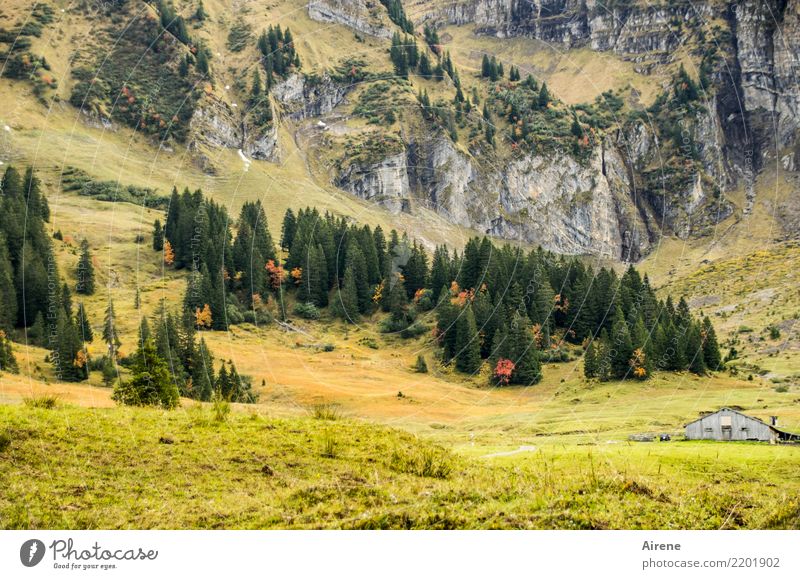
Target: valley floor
448, 453
71, 467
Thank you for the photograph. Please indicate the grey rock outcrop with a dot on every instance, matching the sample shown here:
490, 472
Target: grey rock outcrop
385, 182
216, 124
360, 15
302, 97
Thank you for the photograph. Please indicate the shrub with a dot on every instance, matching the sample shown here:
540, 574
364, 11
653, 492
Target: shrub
257, 317
774, 332
233, 314
307, 311
414, 330
369, 342
328, 347
421, 367
782, 389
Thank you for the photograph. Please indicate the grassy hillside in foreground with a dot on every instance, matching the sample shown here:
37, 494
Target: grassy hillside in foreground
67, 467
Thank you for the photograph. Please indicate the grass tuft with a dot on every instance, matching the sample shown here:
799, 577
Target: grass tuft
47, 401
325, 412
426, 461
330, 446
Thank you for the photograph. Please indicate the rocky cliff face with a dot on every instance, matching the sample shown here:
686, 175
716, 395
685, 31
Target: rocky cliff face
385, 182
215, 123
361, 15
618, 202
557, 202
302, 97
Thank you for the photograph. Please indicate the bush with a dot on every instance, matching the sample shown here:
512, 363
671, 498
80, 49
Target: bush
257, 317
307, 311
369, 342
328, 347
421, 367
414, 330
774, 333
233, 314
782, 389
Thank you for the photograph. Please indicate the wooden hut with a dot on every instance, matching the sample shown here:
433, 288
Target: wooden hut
729, 424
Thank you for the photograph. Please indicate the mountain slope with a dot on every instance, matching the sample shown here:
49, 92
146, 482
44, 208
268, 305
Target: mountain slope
646, 161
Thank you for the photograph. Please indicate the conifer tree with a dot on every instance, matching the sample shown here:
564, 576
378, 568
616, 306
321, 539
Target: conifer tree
202, 61
486, 320
110, 335
85, 271
544, 96
355, 261
82, 322
203, 373
346, 300
468, 351
398, 304
604, 370
150, 383
287, 229
8, 293
590, 362
158, 235
621, 346
711, 354
694, 349
523, 352
68, 357
8, 363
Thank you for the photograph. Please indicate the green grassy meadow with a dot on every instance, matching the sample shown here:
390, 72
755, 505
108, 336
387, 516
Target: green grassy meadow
71, 467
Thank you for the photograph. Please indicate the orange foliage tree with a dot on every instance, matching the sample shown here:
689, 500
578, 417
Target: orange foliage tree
203, 317
169, 254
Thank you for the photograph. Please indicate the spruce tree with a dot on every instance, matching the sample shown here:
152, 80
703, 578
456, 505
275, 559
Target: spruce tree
621, 346
110, 335
68, 357
203, 373
711, 354
604, 371
356, 262
287, 229
82, 322
8, 363
694, 349
590, 362
8, 293
523, 352
158, 235
446, 317
345, 303
468, 351
85, 271
544, 96
150, 383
